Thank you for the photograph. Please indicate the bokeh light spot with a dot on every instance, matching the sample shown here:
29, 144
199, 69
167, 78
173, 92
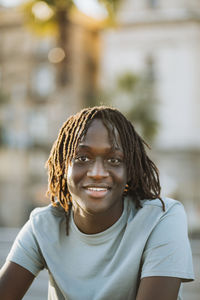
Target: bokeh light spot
56, 55
42, 11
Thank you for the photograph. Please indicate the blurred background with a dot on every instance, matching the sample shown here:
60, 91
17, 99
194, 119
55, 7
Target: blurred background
58, 56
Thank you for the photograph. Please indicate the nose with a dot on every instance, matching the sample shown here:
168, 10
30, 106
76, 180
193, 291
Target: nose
97, 170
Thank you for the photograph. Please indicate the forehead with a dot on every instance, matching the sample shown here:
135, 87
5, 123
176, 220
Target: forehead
99, 132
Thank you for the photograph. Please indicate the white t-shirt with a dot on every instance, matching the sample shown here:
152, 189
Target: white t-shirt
108, 265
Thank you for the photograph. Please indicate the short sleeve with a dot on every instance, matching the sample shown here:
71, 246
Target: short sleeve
25, 251
168, 252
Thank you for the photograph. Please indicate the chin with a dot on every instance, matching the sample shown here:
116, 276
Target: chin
96, 209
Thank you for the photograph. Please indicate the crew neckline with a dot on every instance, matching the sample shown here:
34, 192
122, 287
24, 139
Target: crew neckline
101, 237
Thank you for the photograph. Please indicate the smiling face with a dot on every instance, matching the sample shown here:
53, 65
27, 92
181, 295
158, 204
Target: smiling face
97, 175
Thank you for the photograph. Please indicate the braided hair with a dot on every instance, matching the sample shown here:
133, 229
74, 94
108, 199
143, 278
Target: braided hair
142, 173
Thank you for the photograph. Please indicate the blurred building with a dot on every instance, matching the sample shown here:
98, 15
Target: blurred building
167, 33
158, 37
33, 105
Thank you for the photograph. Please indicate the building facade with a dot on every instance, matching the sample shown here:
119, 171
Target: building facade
167, 32
33, 106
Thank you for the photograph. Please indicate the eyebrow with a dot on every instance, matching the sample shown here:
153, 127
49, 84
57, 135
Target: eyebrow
82, 146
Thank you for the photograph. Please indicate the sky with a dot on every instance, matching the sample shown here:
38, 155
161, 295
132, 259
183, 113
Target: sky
11, 3
90, 7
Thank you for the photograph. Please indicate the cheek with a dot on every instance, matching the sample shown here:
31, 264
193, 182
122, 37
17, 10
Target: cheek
121, 176
74, 175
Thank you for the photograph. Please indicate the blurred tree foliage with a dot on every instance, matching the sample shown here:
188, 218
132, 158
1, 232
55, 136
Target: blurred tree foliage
134, 95
142, 102
52, 17
111, 7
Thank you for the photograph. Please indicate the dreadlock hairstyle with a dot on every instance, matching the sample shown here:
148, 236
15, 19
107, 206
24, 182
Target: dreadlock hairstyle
143, 178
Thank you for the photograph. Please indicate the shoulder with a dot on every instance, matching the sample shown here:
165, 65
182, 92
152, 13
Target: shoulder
169, 202
171, 206
153, 216
171, 221
155, 207
46, 215
48, 210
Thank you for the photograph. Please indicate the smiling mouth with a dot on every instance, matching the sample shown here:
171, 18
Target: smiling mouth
96, 189
97, 192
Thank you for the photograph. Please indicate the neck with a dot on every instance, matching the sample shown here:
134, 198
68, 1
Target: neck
89, 223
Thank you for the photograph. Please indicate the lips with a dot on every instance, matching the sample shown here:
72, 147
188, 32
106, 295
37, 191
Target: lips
97, 191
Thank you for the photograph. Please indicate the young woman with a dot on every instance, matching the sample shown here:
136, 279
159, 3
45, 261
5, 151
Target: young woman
107, 233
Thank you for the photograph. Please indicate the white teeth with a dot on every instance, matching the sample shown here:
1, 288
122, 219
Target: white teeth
96, 189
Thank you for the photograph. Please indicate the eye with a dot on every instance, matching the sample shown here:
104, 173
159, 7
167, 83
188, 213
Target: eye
114, 161
82, 159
